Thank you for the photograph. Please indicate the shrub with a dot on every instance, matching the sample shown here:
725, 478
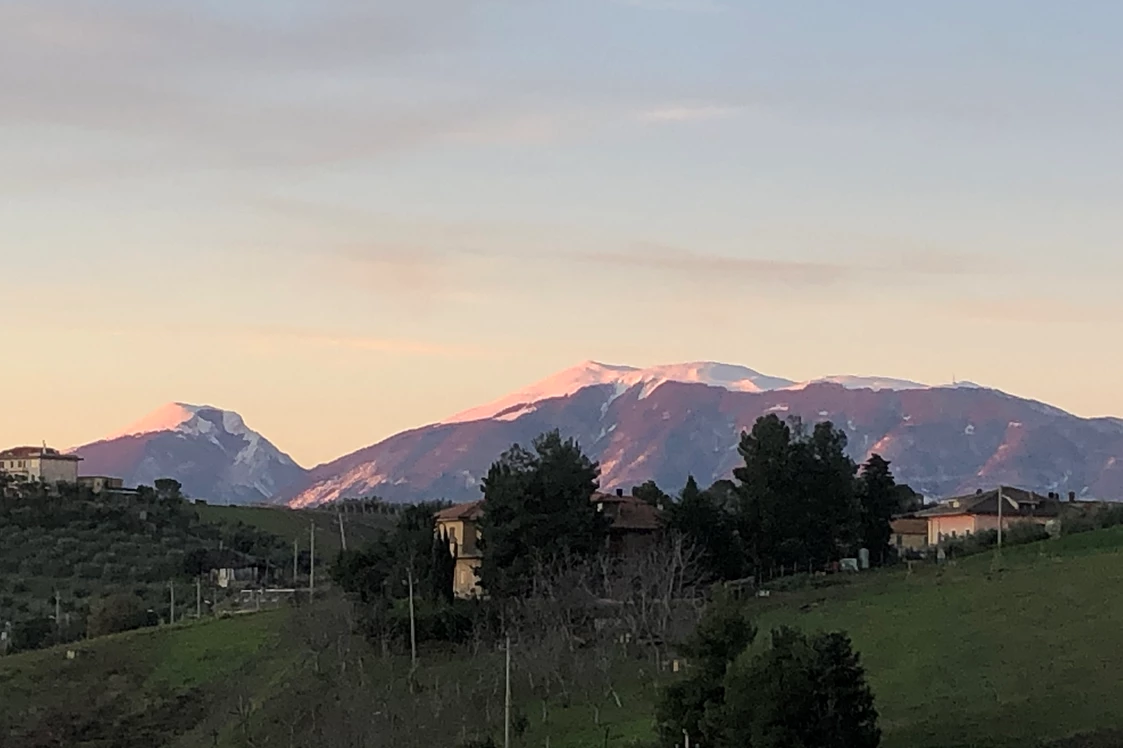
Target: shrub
1022, 533
116, 613
803, 691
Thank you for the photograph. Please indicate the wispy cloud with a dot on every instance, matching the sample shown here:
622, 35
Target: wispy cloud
686, 264
689, 113
274, 338
911, 268
690, 6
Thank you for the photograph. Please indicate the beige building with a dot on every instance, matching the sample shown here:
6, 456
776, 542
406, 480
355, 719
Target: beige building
462, 525
40, 464
909, 534
632, 524
967, 515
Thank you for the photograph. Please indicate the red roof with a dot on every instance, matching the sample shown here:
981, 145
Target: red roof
628, 512
31, 453
470, 511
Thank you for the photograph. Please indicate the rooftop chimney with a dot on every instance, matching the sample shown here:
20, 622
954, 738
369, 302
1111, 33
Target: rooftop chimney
620, 493
1072, 495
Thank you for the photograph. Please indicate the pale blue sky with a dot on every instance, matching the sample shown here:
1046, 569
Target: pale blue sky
347, 218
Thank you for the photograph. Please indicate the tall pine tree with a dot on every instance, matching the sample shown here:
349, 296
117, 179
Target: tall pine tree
879, 497
538, 511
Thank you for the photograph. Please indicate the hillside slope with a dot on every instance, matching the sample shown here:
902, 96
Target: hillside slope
1015, 654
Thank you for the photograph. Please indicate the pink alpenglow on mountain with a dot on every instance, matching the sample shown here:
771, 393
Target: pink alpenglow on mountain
210, 451
668, 422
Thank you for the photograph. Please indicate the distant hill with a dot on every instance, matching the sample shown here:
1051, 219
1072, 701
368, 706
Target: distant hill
671, 421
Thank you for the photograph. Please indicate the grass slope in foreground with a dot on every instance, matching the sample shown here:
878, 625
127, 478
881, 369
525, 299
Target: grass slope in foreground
143, 688
1018, 653
987, 652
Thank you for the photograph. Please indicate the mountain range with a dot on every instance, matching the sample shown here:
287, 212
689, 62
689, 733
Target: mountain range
662, 423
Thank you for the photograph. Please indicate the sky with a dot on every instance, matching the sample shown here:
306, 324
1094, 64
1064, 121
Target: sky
347, 218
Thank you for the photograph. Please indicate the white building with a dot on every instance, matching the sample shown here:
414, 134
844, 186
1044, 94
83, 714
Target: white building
39, 464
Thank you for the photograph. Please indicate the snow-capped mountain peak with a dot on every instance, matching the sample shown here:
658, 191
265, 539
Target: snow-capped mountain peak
593, 373
726, 376
170, 417
211, 451
852, 382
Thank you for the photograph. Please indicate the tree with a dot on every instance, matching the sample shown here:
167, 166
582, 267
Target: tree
879, 499
803, 691
169, 489
116, 613
693, 705
442, 570
650, 493
700, 517
796, 493
538, 511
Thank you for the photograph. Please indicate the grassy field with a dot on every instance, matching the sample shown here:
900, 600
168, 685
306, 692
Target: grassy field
292, 524
1019, 651
1024, 650
138, 689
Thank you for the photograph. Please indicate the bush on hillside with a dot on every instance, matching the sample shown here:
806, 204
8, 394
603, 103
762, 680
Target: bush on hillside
1098, 519
116, 613
1019, 533
804, 691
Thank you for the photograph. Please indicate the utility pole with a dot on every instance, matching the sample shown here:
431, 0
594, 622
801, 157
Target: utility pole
198, 598
58, 615
507, 700
412, 623
295, 554
342, 535
312, 562
999, 517
171, 609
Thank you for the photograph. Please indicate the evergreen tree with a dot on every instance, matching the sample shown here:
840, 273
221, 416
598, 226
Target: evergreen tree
880, 499
803, 691
766, 481
693, 705
442, 570
700, 517
651, 493
538, 510
797, 504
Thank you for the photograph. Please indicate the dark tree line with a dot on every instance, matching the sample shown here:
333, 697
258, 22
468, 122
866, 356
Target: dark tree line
798, 501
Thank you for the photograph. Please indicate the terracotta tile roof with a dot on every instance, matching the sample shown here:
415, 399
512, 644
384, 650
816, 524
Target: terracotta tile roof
909, 526
627, 512
1016, 502
470, 511
30, 453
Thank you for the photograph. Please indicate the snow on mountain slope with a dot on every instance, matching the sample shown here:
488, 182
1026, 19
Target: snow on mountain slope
941, 440
210, 451
592, 373
876, 384
727, 376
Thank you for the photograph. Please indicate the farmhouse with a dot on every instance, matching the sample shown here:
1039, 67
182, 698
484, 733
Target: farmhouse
909, 534
633, 523
967, 515
39, 464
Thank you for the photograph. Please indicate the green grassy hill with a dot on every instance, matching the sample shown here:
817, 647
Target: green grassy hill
292, 524
1024, 651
